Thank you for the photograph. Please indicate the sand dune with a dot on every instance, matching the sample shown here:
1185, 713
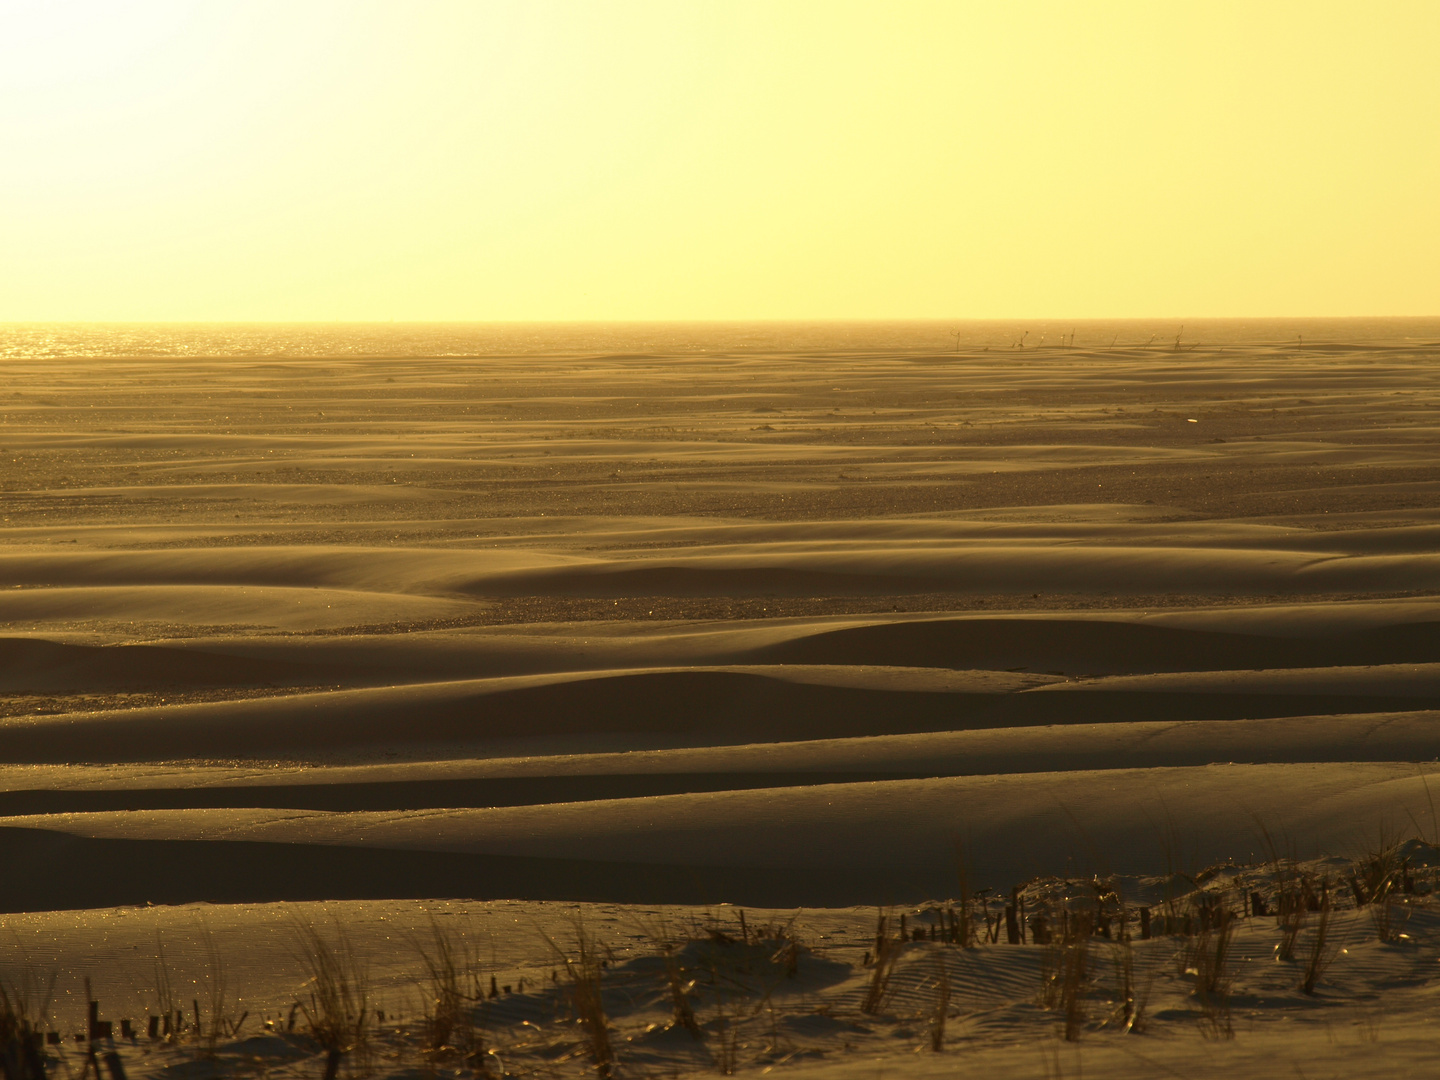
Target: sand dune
1093, 642
34, 665
255, 607
689, 705
1104, 646
488, 782
315, 566
272, 493
897, 568
756, 627
885, 840
669, 706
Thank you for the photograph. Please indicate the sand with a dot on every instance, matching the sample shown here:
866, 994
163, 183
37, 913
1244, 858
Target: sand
508, 634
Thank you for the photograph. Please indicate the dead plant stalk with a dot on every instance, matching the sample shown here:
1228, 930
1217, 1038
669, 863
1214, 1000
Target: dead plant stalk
583, 970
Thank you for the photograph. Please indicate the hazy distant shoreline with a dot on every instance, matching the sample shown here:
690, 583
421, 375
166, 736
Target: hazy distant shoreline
454, 339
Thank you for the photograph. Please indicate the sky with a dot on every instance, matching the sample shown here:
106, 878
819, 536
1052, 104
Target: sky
686, 159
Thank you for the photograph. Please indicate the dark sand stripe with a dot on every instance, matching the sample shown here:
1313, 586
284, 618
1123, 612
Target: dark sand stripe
52, 871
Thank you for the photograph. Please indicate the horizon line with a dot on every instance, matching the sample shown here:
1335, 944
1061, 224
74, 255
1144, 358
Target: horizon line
737, 320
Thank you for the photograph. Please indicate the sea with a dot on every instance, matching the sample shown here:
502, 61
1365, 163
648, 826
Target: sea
679, 339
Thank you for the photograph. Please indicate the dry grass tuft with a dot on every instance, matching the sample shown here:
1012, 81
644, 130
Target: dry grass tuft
452, 992
1066, 973
727, 1044
220, 1025
1207, 962
1322, 952
681, 986
336, 1014
166, 1000
24, 1009
583, 970
1130, 1010
963, 921
1295, 896
1379, 882
940, 1010
886, 952
678, 980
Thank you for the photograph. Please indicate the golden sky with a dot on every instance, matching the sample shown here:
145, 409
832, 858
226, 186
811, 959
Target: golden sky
685, 159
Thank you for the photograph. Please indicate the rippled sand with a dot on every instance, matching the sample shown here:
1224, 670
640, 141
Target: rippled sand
769, 629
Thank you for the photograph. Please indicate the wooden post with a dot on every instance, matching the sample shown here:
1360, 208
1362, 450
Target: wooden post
1144, 924
93, 1012
34, 1055
91, 1061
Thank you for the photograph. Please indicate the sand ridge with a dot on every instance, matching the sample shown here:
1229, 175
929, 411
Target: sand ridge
564, 590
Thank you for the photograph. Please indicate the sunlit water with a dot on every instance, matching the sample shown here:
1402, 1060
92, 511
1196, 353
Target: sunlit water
54, 340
